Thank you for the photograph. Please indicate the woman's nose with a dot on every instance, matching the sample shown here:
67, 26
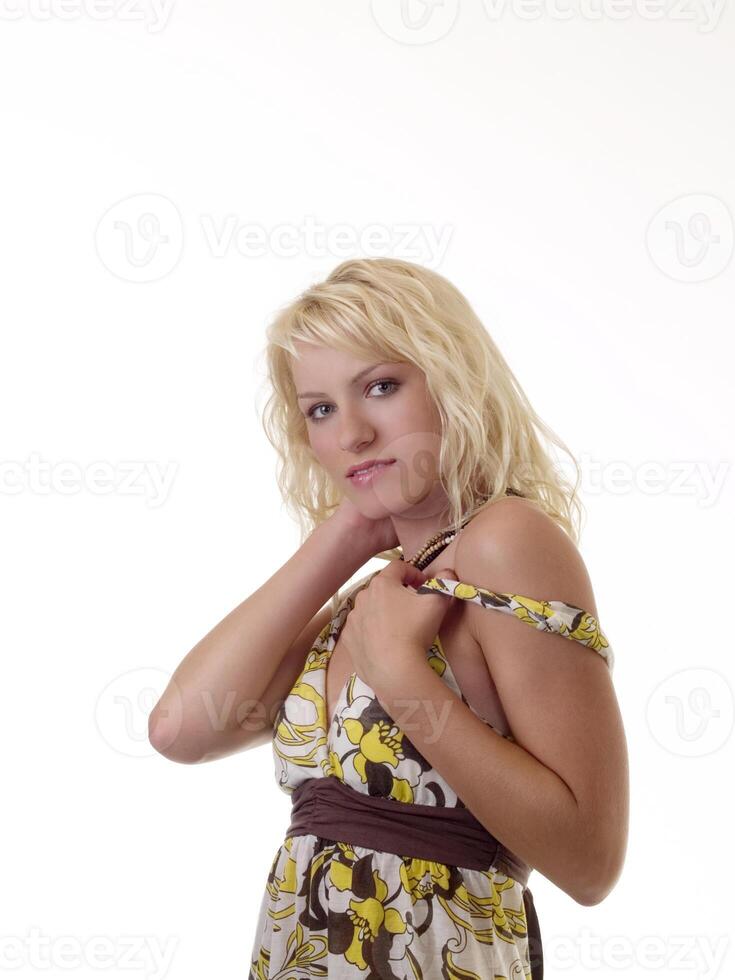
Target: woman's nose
355, 433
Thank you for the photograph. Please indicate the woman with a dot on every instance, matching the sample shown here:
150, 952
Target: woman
434, 751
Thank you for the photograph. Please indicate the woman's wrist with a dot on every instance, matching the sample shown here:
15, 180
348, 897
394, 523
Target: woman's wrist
348, 547
352, 542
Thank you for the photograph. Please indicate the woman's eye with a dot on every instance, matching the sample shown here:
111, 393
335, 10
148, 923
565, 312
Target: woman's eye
375, 384
316, 418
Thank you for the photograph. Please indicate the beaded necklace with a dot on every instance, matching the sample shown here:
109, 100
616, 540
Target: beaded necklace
436, 544
439, 541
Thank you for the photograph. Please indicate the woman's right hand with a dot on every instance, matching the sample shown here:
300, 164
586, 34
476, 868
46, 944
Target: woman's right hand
374, 536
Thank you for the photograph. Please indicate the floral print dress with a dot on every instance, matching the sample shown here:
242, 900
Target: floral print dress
336, 909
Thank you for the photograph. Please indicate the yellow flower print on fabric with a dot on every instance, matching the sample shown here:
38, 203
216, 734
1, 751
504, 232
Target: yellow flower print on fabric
420, 877
461, 590
438, 665
554, 616
464, 591
369, 916
589, 632
380, 744
528, 606
335, 766
347, 849
287, 883
402, 790
465, 908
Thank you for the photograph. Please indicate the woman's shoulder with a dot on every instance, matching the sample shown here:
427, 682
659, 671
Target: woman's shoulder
514, 546
508, 518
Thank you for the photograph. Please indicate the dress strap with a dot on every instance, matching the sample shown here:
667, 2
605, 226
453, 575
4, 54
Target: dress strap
547, 615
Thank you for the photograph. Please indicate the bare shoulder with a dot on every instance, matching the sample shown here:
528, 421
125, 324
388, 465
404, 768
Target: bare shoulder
557, 696
514, 546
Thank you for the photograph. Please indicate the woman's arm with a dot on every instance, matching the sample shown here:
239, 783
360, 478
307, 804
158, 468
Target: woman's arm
223, 683
558, 796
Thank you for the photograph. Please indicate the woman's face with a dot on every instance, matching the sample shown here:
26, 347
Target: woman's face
358, 410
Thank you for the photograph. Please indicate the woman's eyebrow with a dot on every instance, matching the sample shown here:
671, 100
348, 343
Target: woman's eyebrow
323, 394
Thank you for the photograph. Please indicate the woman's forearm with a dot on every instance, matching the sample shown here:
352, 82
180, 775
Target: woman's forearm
217, 684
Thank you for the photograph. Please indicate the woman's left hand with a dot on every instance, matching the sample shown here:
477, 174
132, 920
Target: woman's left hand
390, 623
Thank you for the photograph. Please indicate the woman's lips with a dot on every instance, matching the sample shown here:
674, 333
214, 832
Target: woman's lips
367, 476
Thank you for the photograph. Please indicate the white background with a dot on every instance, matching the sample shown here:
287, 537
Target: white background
578, 176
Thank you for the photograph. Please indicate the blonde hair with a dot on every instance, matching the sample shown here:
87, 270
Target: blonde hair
401, 311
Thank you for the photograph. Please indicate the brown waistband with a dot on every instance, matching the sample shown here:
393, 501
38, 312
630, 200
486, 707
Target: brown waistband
330, 809
327, 808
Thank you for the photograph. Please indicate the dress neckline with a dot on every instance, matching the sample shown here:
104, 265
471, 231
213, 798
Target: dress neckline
436, 651
551, 615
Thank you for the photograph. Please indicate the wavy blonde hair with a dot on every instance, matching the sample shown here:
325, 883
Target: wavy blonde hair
394, 310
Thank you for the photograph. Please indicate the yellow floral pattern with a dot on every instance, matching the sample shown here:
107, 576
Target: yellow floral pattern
334, 909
